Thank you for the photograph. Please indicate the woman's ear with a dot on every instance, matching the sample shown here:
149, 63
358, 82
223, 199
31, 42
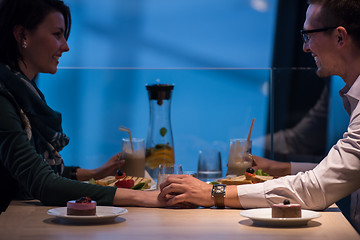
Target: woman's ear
19, 34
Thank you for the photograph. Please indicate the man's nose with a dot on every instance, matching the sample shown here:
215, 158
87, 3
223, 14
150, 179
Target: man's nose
306, 47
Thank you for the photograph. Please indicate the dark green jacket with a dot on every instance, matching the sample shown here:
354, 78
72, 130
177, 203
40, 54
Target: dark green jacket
21, 165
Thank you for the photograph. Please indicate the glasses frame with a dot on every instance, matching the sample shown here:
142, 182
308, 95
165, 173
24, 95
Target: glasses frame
305, 33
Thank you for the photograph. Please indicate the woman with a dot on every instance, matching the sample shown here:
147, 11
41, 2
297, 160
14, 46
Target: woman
33, 36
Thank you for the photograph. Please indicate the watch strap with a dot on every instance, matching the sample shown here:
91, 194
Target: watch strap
218, 194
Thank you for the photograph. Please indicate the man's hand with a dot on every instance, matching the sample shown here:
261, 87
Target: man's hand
185, 189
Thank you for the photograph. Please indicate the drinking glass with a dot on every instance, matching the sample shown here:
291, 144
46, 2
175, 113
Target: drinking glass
238, 161
166, 170
209, 165
134, 156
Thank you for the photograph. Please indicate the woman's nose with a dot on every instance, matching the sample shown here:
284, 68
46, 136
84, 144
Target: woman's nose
65, 46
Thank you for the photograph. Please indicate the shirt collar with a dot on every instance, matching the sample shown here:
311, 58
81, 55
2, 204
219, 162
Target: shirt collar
351, 95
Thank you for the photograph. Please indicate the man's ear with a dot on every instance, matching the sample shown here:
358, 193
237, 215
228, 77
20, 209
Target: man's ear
342, 36
19, 34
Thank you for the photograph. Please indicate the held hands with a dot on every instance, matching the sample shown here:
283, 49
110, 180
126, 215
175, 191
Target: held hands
186, 191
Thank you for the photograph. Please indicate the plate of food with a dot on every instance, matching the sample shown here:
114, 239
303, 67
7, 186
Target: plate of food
124, 181
84, 210
250, 177
263, 216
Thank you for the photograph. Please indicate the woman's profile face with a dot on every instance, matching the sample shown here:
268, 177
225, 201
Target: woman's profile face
45, 46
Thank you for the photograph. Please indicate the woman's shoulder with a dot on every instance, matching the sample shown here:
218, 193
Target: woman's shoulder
6, 98
3, 74
5, 95
10, 110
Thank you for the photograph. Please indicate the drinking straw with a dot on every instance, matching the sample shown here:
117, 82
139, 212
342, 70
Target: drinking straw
251, 127
122, 128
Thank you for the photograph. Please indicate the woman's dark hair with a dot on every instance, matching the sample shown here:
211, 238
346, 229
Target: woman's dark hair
345, 13
29, 14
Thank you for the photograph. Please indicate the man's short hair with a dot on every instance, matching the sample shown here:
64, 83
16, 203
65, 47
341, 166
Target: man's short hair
345, 13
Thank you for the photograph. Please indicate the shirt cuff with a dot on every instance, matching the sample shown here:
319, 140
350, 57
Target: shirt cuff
301, 167
252, 195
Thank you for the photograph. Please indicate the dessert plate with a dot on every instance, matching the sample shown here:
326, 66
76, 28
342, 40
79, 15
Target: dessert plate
262, 216
103, 214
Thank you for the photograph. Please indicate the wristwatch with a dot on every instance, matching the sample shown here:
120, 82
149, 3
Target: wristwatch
218, 194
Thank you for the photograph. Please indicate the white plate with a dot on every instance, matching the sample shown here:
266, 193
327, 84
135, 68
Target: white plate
262, 216
103, 213
152, 188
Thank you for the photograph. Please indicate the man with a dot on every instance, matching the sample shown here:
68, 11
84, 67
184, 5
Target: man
332, 36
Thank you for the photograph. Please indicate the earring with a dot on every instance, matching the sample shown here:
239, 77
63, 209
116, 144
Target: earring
24, 45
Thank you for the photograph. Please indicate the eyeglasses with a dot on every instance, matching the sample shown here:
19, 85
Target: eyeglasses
305, 33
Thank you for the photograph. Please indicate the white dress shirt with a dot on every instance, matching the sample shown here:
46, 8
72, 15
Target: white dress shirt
335, 177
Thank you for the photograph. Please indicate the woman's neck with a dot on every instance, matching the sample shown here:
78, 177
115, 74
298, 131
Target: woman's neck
26, 71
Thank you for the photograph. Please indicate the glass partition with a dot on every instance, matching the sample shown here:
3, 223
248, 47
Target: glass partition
208, 108
306, 115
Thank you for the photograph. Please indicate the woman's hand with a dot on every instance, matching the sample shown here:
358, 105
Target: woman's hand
185, 190
274, 168
108, 169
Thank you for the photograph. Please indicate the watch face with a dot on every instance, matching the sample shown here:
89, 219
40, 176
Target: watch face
219, 189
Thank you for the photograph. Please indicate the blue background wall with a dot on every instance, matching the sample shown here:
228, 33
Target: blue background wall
118, 46
171, 33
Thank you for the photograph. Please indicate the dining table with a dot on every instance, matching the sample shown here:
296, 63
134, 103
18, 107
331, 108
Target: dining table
30, 220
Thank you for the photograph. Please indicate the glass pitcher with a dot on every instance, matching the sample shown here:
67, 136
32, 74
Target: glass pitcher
159, 142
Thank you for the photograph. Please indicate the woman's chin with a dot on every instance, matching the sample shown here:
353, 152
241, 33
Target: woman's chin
52, 71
